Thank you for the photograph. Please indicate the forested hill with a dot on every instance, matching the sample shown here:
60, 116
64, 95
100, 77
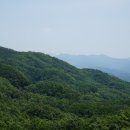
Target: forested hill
40, 92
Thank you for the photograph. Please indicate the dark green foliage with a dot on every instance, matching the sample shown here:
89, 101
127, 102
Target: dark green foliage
43, 112
16, 77
39, 92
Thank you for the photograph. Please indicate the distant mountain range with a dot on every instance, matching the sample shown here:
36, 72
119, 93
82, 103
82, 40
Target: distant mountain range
114, 66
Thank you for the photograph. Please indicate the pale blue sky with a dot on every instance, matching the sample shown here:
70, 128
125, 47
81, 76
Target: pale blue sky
66, 26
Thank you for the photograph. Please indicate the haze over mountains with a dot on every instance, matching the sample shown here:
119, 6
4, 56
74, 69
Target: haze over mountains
40, 92
115, 66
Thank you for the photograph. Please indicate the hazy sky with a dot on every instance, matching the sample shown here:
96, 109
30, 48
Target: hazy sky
66, 26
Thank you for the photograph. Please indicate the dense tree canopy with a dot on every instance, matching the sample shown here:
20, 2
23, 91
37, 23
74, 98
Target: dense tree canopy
39, 92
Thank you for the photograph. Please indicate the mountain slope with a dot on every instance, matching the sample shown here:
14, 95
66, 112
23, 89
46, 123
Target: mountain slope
117, 67
40, 92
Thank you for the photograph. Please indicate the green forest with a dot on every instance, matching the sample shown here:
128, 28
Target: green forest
40, 92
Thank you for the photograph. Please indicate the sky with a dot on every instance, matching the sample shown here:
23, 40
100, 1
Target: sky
66, 26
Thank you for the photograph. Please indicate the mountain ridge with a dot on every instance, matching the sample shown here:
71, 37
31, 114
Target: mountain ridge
38, 91
114, 66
